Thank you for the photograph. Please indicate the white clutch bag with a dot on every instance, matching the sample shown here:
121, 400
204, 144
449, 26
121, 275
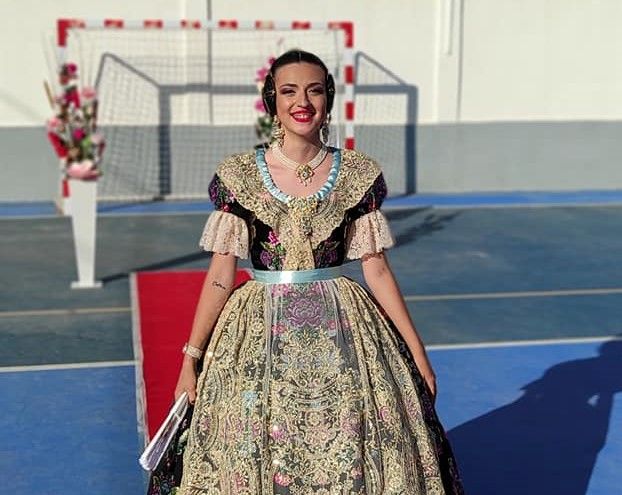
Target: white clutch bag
156, 448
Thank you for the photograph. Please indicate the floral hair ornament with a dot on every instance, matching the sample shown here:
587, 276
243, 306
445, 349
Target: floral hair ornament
264, 122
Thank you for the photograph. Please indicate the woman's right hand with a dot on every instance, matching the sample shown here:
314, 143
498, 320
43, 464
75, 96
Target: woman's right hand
187, 381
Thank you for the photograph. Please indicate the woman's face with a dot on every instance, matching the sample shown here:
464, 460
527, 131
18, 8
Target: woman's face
301, 99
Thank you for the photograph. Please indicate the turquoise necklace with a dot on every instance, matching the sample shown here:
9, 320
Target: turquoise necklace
260, 156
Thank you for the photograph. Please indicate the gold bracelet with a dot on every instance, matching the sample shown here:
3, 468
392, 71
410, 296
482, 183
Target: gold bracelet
192, 351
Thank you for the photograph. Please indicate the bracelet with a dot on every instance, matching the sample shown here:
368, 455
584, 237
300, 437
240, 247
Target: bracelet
192, 351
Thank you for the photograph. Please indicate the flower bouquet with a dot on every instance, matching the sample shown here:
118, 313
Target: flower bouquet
73, 130
263, 124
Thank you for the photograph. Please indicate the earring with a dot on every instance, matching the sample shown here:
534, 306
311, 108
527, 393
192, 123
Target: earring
325, 129
278, 134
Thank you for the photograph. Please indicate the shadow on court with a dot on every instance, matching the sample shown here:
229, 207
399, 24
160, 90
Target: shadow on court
160, 265
548, 440
432, 222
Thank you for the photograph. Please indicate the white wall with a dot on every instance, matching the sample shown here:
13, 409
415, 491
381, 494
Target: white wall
24, 24
542, 60
518, 60
547, 64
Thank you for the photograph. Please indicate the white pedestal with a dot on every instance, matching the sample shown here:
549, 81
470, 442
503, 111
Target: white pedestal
83, 218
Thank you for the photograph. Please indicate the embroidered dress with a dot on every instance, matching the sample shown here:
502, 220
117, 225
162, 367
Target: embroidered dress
310, 388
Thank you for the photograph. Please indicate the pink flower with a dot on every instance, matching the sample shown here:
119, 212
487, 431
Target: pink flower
239, 480
351, 424
356, 471
272, 238
280, 290
278, 329
304, 311
72, 97
261, 74
278, 433
97, 138
384, 413
71, 68
259, 106
78, 134
282, 479
332, 327
89, 93
55, 125
84, 170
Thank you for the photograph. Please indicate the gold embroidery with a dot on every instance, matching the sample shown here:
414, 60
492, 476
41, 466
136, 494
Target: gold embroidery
297, 232
307, 393
241, 176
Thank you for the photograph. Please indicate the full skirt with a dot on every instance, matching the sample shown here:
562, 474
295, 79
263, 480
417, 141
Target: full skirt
308, 388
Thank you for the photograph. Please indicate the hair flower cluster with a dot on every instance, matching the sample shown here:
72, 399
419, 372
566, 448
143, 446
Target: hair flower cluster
263, 125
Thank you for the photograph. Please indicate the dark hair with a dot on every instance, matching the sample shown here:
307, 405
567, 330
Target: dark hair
268, 92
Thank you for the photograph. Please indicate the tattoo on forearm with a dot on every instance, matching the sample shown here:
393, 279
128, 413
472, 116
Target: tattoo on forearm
215, 283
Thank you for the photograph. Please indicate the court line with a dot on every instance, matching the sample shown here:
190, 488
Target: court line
66, 366
522, 343
503, 295
432, 347
435, 297
492, 199
66, 311
139, 378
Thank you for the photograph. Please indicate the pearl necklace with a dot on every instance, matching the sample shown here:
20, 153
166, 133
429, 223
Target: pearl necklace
260, 158
304, 171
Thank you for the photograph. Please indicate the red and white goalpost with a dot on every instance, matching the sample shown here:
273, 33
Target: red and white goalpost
176, 97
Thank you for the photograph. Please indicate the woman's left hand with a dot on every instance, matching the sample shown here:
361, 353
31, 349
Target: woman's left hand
425, 368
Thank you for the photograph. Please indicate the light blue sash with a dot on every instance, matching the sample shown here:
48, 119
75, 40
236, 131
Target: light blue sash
296, 276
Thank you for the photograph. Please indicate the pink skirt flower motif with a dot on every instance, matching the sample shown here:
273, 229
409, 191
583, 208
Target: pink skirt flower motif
351, 424
304, 311
332, 327
239, 481
279, 329
384, 413
356, 472
278, 433
280, 290
282, 479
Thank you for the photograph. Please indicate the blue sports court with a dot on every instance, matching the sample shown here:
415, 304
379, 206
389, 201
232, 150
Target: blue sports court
519, 305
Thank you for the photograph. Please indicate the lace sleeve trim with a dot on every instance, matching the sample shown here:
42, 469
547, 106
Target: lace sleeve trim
225, 233
369, 234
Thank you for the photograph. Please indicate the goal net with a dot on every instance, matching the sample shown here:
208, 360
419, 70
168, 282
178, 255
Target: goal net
176, 98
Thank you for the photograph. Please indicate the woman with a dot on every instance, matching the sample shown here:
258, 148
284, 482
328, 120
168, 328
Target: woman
309, 384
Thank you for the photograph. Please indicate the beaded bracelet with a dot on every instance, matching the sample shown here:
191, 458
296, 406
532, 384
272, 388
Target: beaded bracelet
192, 351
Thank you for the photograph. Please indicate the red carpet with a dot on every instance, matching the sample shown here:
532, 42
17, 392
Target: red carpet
163, 305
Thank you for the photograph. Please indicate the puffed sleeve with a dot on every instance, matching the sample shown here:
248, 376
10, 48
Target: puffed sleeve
368, 230
226, 229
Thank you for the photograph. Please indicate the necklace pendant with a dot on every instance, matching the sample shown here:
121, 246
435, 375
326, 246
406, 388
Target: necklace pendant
304, 173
